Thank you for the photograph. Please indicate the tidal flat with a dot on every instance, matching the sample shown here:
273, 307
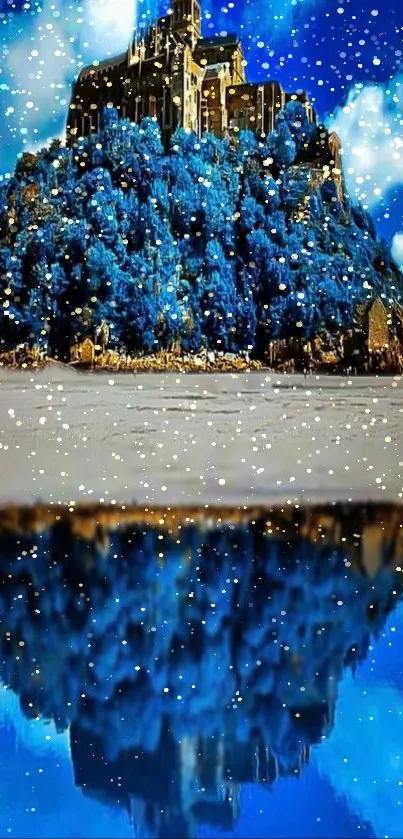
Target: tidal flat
199, 439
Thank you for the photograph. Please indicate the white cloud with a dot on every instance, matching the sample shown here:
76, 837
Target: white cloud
41, 67
43, 60
370, 126
361, 756
112, 22
31, 733
397, 249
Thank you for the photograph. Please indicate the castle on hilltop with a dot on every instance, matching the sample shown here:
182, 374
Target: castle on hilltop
175, 75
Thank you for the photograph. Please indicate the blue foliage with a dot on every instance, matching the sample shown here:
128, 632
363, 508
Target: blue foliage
211, 243
123, 645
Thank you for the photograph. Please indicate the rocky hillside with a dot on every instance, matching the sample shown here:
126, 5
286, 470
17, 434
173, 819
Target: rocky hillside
209, 245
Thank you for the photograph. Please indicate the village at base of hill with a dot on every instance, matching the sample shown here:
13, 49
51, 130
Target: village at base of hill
373, 345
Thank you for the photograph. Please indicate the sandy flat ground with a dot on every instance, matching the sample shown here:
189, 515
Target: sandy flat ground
207, 439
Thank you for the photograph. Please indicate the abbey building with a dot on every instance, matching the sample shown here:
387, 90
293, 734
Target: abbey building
174, 74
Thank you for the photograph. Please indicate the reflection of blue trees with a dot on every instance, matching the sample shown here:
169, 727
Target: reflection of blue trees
209, 244
227, 642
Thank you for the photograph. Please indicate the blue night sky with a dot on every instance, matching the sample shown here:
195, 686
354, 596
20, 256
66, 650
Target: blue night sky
346, 53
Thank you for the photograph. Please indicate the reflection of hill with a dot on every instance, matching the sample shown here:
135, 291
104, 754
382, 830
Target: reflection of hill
373, 534
189, 659
194, 781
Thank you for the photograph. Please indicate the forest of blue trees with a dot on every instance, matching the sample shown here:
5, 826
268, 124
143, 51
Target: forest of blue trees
207, 244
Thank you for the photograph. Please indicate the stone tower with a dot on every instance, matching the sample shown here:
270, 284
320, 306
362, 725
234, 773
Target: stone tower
186, 20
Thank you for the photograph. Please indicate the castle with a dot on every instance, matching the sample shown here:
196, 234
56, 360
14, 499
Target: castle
175, 75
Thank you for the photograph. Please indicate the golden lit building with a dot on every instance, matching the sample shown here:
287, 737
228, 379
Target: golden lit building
374, 320
175, 75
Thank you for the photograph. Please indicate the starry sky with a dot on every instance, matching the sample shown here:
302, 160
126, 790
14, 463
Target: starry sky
347, 53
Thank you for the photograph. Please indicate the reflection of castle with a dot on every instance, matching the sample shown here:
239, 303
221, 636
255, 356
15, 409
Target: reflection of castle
190, 655
173, 74
180, 786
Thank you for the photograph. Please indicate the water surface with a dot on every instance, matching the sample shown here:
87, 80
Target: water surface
199, 438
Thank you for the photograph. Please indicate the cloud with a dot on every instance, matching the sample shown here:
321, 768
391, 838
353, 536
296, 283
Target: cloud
397, 249
35, 734
40, 66
112, 21
369, 777
370, 126
42, 61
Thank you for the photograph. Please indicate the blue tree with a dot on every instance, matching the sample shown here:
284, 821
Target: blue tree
199, 245
246, 315
302, 131
136, 314
281, 145
218, 300
14, 317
